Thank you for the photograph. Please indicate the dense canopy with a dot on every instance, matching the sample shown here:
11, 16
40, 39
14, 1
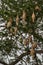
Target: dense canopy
21, 32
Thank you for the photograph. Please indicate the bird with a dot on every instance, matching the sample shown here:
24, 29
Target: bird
37, 8
17, 20
34, 45
33, 17
25, 42
9, 23
15, 30
32, 52
24, 15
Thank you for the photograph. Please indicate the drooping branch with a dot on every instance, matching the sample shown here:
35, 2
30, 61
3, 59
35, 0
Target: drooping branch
19, 58
22, 55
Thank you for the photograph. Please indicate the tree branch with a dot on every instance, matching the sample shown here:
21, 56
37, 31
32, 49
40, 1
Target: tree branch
22, 55
19, 58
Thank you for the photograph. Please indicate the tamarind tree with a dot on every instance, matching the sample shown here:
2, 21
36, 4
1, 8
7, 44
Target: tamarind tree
21, 32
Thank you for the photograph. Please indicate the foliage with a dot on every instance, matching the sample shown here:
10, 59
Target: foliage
30, 13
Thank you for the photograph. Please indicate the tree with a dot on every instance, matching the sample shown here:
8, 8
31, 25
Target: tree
20, 37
